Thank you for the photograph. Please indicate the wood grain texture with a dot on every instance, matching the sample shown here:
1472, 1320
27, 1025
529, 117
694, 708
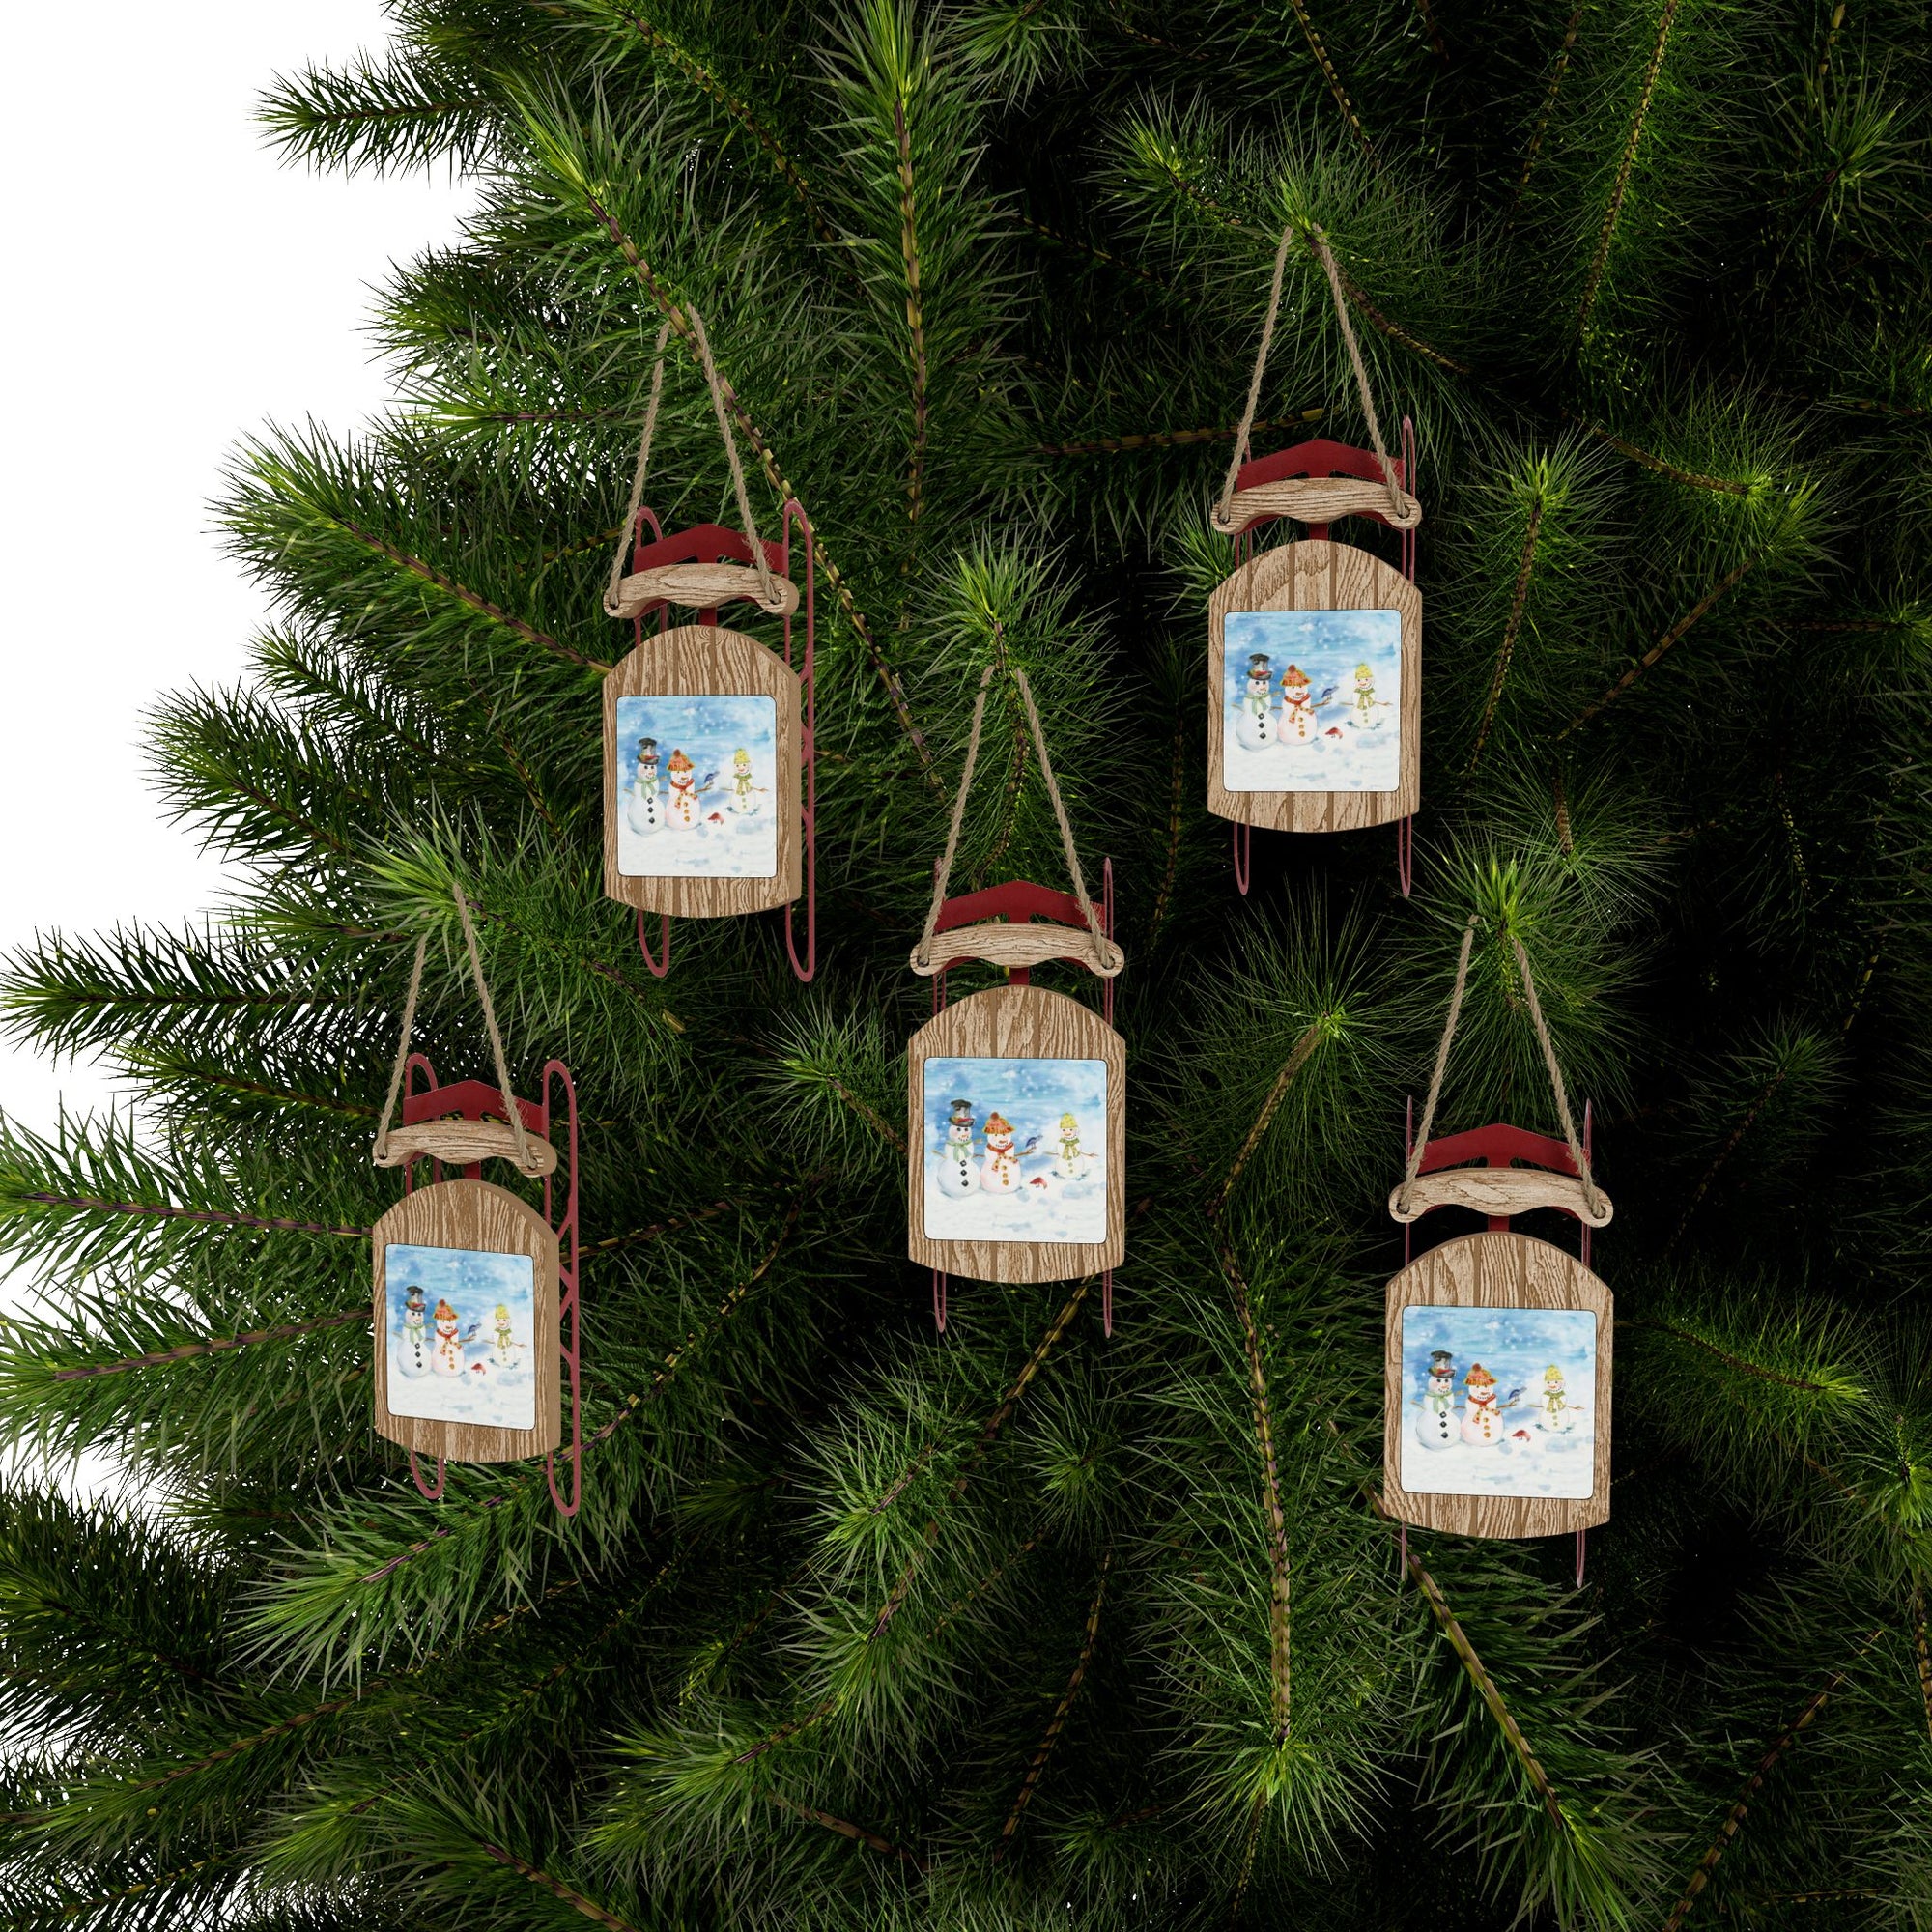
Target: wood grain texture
456, 1143
1017, 1023
1010, 945
1496, 1270
698, 586
474, 1215
706, 660
1310, 499
1497, 1190
1318, 576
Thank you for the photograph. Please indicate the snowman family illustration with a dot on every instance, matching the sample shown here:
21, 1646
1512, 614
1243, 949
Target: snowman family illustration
697, 786
1486, 1421
459, 1360
1257, 725
675, 800
993, 1164
1032, 1168
1312, 700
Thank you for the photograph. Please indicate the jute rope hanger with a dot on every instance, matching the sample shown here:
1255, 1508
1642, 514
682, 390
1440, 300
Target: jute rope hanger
1316, 499
1015, 945
1596, 1203
451, 1140
702, 584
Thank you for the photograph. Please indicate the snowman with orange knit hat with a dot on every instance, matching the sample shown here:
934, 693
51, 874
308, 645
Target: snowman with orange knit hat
683, 808
1482, 1418
999, 1170
447, 1360
1298, 707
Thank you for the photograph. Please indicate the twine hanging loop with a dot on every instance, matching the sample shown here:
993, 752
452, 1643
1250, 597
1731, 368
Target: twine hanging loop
1596, 1208
1020, 946
706, 585
459, 1141
1317, 499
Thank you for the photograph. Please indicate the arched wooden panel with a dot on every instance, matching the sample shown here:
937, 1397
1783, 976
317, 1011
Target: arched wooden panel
721, 692
1022, 1063
1538, 1463
1299, 578
473, 1248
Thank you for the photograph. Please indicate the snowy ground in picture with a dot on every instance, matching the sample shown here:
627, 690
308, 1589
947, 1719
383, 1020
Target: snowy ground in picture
1525, 1463
460, 1335
1535, 1435
1311, 701
1016, 1149
722, 845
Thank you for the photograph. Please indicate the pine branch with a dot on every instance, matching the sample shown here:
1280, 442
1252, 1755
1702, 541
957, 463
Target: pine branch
1312, 1036
285, 1332
1556, 73
1735, 1818
1174, 439
1672, 637
846, 1830
901, 1588
556, 1889
1487, 1691
1735, 1362
1620, 185
915, 318
1334, 80
1043, 1755
1279, 1654
1507, 648
200, 1216
468, 599
738, 110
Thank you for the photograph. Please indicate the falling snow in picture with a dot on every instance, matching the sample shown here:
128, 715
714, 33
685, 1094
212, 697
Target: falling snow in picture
697, 788
461, 1324
1016, 1149
1311, 701
1498, 1401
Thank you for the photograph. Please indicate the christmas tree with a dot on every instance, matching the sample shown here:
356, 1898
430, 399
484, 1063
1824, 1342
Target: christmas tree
1020, 1625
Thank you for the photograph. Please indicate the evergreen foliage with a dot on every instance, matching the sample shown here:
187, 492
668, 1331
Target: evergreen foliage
861, 1627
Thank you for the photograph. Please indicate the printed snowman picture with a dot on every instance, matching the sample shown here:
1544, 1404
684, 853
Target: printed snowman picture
1016, 1149
460, 1335
1311, 701
697, 788
1498, 1401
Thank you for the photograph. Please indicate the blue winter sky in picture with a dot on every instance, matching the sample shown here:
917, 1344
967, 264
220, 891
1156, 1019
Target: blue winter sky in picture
1055, 1186
732, 830
1541, 1438
1350, 738
482, 1373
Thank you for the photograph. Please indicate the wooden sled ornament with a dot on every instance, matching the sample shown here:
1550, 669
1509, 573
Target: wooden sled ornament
1498, 1346
710, 790
1315, 647
1291, 634
472, 1285
1017, 1095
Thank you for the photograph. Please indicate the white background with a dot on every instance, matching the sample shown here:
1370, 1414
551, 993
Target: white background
174, 286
